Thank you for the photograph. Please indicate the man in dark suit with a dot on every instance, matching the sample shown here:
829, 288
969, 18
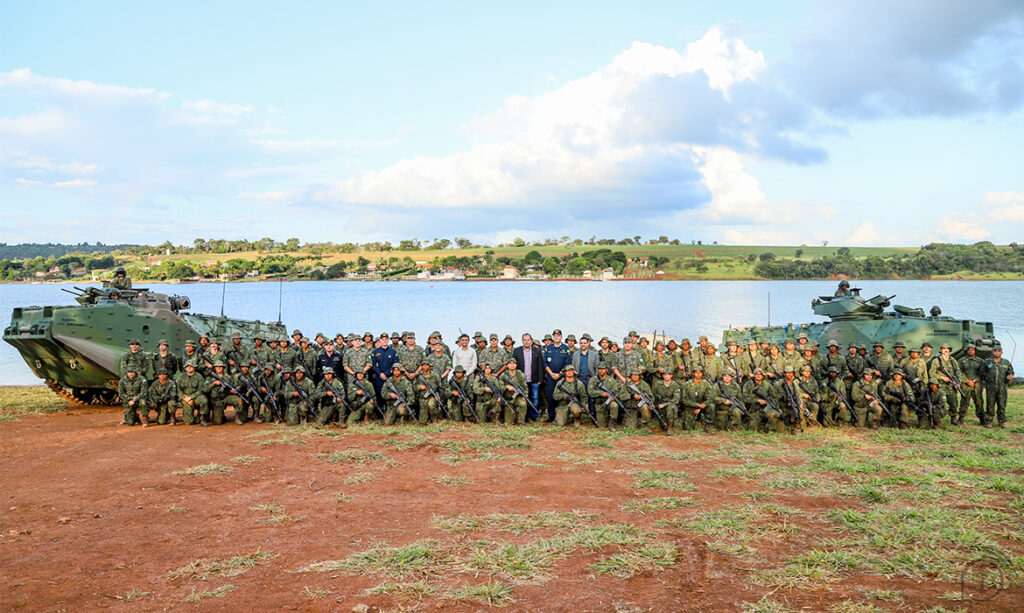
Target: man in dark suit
530, 362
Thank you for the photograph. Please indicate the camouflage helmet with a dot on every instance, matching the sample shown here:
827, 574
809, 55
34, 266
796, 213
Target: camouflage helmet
459, 368
120, 271
191, 363
161, 371
328, 370
162, 341
569, 366
134, 341
130, 368
217, 363
301, 369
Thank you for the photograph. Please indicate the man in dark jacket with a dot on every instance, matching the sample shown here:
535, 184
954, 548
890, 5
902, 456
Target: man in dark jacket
530, 361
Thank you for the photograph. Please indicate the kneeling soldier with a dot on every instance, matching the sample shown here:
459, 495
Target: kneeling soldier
192, 394
571, 395
224, 394
698, 400
866, 405
428, 385
163, 398
727, 414
460, 400
329, 398
895, 393
487, 403
637, 390
272, 405
297, 391
398, 393
361, 398
515, 410
132, 390
761, 398
667, 396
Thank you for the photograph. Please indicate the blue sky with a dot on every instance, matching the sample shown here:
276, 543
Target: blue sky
865, 123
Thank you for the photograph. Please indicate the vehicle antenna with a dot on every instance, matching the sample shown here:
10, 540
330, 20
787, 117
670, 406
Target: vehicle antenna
223, 291
280, 298
769, 309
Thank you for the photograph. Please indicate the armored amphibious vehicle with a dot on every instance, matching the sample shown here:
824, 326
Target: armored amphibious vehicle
853, 319
76, 349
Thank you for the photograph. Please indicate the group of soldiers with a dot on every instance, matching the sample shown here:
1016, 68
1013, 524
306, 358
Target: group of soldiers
638, 383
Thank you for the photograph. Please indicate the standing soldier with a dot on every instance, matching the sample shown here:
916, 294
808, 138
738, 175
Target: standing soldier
750, 361
441, 362
790, 400
728, 414
896, 393
627, 360
832, 358
698, 400
189, 353
165, 359
898, 358
660, 361
571, 396
833, 399
298, 392
383, 357
261, 353
880, 362
285, 357
915, 369
946, 371
356, 359
667, 394
329, 358
410, 356
494, 355
790, 357
854, 366
998, 374
866, 405
238, 353
137, 358
762, 403
685, 361
305, 356
972, 370
328, 397
556, 356
398, 393
192, 394
601, 390
774, 364
732, 357
162, 397
132, 391
713, 364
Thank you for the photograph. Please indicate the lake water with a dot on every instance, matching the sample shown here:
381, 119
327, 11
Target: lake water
680, 308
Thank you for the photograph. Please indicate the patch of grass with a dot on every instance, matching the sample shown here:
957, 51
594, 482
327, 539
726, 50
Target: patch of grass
578, 460
757, 495
746, 472
636, 561
765, 605
649, 505
359, 456
315, 593
25, 400
747, 452
220, 592
246, 459
513, 522
133, 595
415, 590
425, 557
176, 509
206, 568
529, 464
793, 483
852, 606
663, 479
810, 569
343, 498
204, 469
511, 559
456, 459
402, 444
283, 439
492, 594
272, 509
361, 477
450, 480
886, 595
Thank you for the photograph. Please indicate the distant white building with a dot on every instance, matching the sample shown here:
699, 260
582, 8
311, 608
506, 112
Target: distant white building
510, 272
423, 274
607, 274
588, 274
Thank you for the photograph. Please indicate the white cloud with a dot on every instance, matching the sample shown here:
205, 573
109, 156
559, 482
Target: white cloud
763, 236
73, 183
957, 228
1002, 207
864, 234
25, 80
49, 121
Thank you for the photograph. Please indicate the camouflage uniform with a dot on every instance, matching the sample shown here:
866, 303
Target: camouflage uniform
895, 395
693, 395
972, 371
996, 373
168, 362
440, 365
667, 397
627, 362
327, 397
139, 359
457, 401
810, 394
728, 416
563, 390
763, 405
868, 413
410, 358
222, 396
639, 413
399, 386
132, 391
269, 386
935, 367
515, 411
429, 406
193, 387
163, 398
487, 404
604, 407
296, 410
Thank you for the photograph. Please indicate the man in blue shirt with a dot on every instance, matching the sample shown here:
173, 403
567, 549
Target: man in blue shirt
556, 356
328, 358
383, 357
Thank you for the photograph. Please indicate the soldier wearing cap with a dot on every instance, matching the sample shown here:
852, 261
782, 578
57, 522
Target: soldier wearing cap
915, 370
802, 342
556, 356
440, 362
137, 358
460, 396
627, 360
192, 389
685, 360
660, 361
164, 359
855, 365
790, 356
762, 401
810, 393
833, 409
189, 352
972, 371
571, 397
396, 390
162, 397
934, 397
297, 392
867, 407
880, 362
896, 393
998, 375
731, 359
410, 356
791, 402
213, 354
639, 413
305, 356
357, 359
224, 393
480, 345
285, 358
833, 359
728, 415
269, 385
204, 344
329, 357
487, 404
238, 354
750, 361
667, 394
296, 337
426, 384
436, 336
262, 354
509, 380
132, 391
697, 400
946, 371
361, 397
508, 344
570, 342
383, 357
601, 390
327, 396
713, 364
843, 290
494, 355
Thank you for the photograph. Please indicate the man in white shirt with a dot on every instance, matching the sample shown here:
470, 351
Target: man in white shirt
465, 356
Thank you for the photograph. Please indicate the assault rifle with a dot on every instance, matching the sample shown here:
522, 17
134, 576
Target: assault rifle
881, 405
735, 401
305, 399
794, 405
814, 397
369, 395
228, 385
903, 399
928, 401
952, 380
433, 392
401, 399
611, 396
507, 378
575, 398
464, 397
497, 393
645, 399
846, 403
270, 392
339, 398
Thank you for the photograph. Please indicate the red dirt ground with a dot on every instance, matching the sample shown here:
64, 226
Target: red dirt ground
87, 517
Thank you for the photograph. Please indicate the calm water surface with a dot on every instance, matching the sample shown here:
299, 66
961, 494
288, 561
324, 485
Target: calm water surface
680, 308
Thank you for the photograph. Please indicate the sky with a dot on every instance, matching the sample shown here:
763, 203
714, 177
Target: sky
785, 123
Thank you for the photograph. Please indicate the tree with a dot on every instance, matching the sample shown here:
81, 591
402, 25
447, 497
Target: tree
799, 252
551, 266
577, 265
462, 243
292, 244
533, 257
767, 256
518, 242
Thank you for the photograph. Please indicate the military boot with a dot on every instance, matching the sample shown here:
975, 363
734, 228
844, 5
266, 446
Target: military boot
671, 425
144, 418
